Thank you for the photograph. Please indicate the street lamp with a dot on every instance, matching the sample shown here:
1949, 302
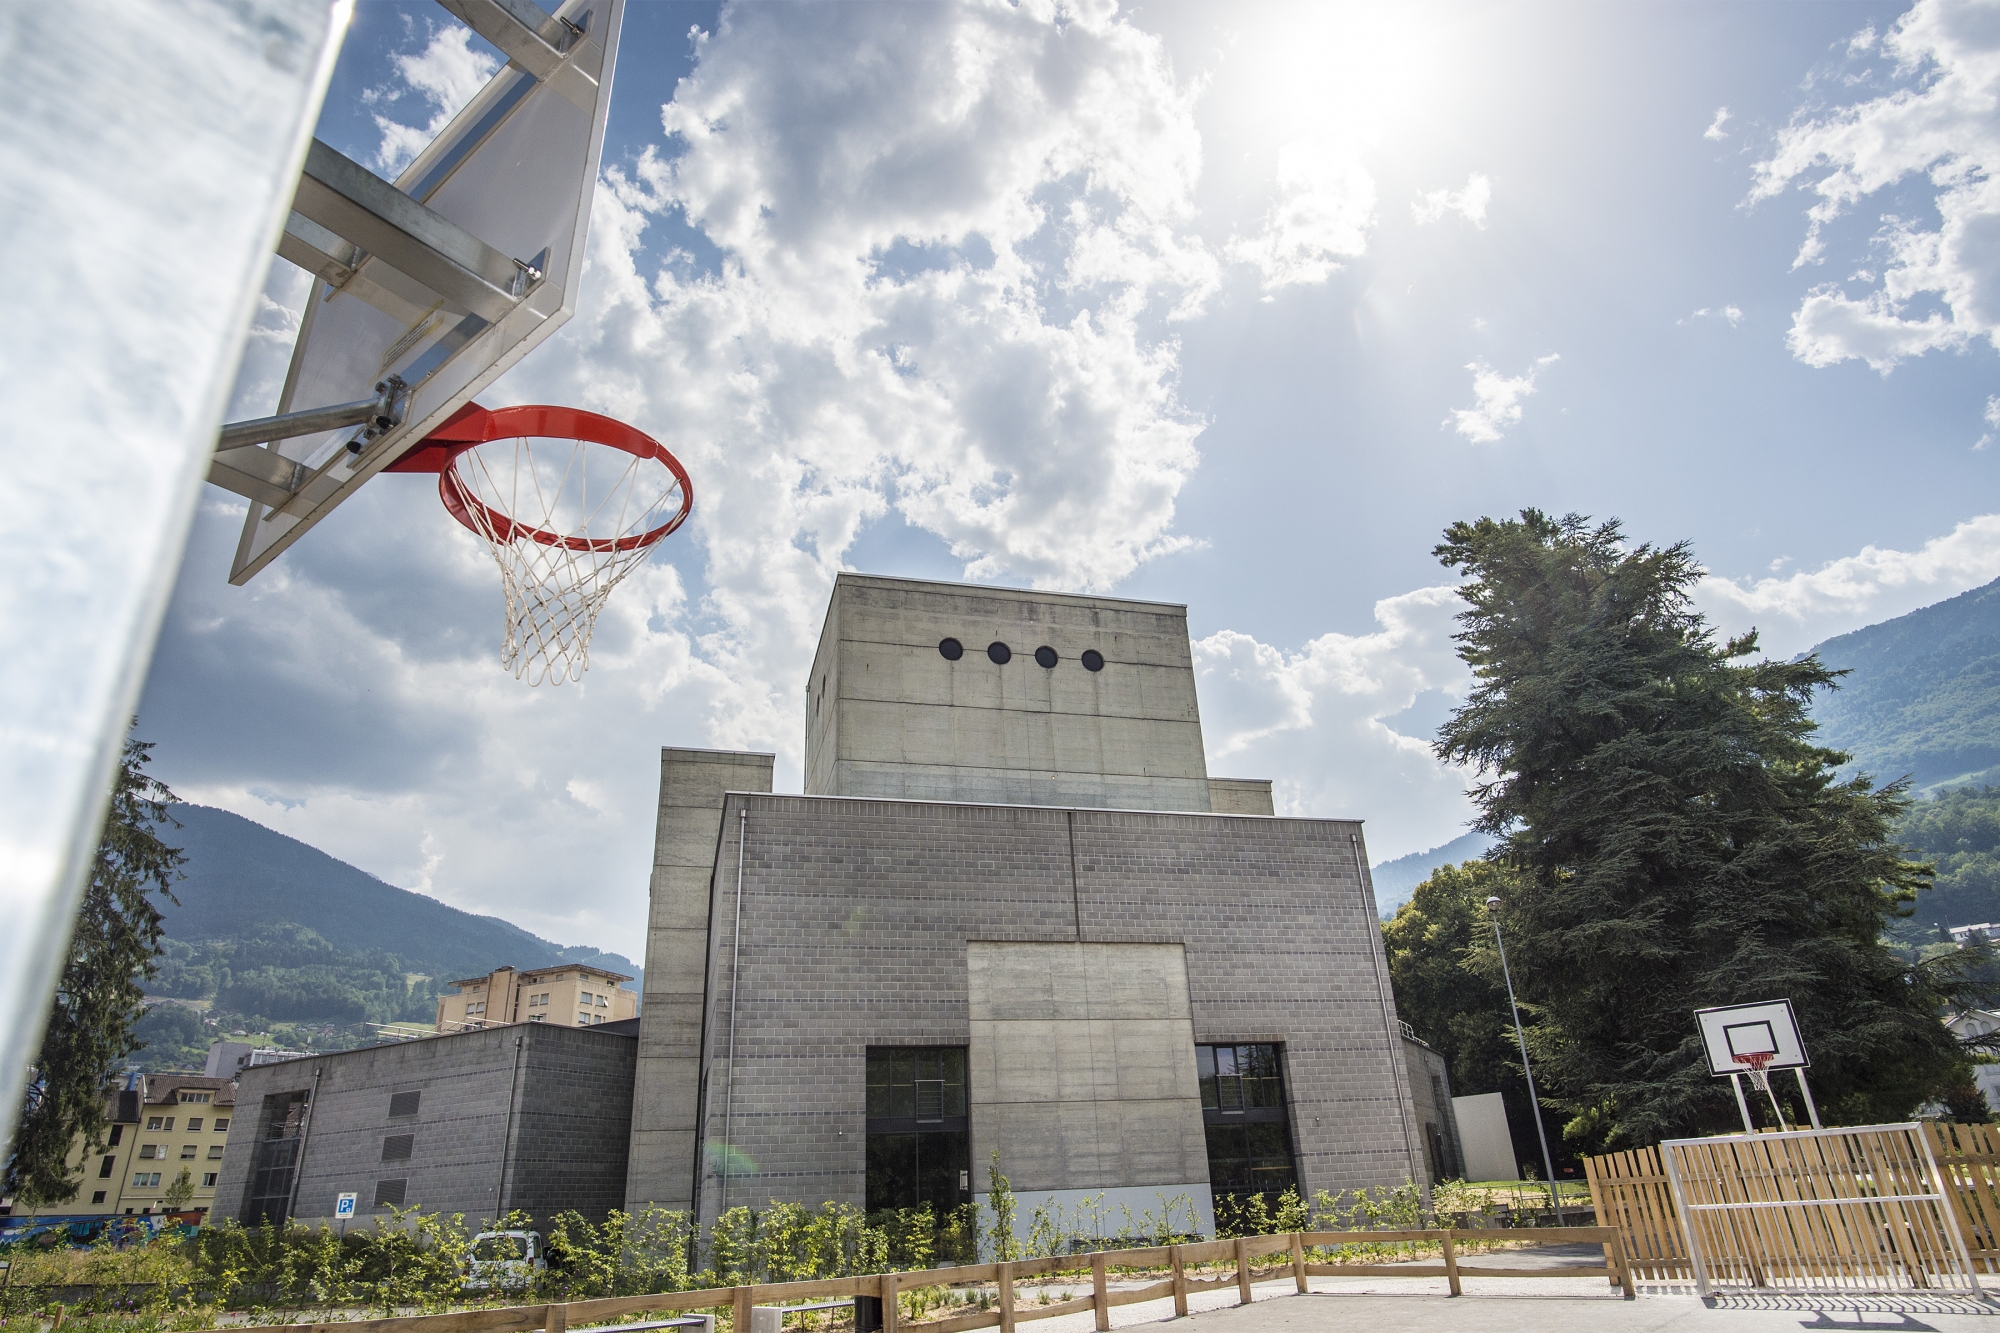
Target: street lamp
1534, 1104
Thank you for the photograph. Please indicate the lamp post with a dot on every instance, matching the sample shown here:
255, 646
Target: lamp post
1520, 1035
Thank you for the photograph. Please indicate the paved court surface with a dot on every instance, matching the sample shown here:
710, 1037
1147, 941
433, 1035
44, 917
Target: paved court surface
1533, 1305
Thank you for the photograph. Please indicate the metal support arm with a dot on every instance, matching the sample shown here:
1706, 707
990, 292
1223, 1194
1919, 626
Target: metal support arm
242, 466
358, 206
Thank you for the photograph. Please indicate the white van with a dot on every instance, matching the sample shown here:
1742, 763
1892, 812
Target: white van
505, 1260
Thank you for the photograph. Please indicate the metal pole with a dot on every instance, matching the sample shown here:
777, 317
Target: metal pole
1521, 1035
1736, 1082
1806, 1092
735, 967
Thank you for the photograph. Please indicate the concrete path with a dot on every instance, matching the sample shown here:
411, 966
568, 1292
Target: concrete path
1532, 1305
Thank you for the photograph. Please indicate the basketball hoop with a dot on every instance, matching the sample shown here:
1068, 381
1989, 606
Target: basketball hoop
1756, 1062
569, 503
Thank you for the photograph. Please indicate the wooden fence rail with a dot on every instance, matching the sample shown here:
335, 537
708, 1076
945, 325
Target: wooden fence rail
1242, 1252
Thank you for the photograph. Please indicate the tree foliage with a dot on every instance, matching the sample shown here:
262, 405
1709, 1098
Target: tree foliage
1678, 838
1959, 832
1446, 976
98, 1000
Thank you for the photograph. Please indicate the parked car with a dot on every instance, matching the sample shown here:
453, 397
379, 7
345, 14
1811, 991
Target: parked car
505, 1260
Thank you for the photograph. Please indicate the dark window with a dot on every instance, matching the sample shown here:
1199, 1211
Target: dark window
396, 1148
1045, 656
1000, 653
117, 1133
390, 1193
110, 1165
274, 1162
1243, 1110
950, 649
919, 1138
404, 1103
1093, 660
97, 1196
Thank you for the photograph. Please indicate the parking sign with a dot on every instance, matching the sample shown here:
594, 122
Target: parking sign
343, 1205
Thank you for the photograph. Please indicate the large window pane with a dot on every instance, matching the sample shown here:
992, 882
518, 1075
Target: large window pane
1244, 1114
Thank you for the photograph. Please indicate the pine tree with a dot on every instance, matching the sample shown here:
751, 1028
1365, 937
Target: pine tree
1679, 840
99, 999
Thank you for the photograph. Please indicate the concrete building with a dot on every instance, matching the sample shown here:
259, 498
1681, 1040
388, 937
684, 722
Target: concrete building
1012, 913
160, 1125
573, 995
1437, 1118
1488, 1143
227, 1059
531, 1115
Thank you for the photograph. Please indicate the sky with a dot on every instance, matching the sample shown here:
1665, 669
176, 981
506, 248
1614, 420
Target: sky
1229, 306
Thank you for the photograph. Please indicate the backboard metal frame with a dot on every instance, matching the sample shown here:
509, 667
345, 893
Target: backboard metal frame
1731, 1030
427, 291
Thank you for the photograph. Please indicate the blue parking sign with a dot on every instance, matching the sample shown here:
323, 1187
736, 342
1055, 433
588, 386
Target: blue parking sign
343, 1205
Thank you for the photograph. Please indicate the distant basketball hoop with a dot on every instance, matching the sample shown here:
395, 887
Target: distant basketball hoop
1754, 1039
568, 503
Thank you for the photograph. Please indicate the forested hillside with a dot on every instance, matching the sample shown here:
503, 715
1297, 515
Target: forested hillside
1958, 830
275, 939
1922, 697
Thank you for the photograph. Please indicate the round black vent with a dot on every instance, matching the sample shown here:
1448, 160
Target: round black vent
950, 649
1045, 656
1093, 660
1000, 653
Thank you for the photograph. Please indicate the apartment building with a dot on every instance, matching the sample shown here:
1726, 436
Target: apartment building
572, 995
160, 1126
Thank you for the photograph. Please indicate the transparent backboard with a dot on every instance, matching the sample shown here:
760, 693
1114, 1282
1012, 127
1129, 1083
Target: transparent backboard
516, 168
1735, 1030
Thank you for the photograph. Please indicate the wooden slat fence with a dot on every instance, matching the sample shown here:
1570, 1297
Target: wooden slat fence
1869, 1242
1241, 1253
1630, 1192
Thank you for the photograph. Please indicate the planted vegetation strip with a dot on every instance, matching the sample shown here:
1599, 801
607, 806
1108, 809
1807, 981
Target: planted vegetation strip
1152, 1291
1329, 1238
957, 1322
1023, 1313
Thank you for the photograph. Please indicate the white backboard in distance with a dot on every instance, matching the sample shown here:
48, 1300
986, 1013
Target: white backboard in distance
1734, 1030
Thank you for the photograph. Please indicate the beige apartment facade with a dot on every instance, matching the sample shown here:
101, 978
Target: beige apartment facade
572, 995
160, 1126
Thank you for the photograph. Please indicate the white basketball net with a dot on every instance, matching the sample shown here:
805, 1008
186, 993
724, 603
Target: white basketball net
601, 501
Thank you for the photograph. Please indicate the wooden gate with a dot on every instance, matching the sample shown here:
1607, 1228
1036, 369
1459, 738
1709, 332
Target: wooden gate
1630, 1192
1828, 1210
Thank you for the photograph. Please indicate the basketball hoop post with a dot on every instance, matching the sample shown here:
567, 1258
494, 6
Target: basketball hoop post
1736, 1082
1805, 1093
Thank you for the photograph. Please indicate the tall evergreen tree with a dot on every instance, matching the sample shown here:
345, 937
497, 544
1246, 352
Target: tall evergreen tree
1678, 838
99, 998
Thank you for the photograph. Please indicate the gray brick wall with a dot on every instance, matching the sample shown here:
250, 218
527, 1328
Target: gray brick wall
856, 917
541, 1125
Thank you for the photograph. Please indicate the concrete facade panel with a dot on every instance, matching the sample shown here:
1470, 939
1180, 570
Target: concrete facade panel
660, 1157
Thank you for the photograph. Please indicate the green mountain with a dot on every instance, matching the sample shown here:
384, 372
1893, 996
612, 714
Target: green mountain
274, 938
1923, 696
1396, 880
1922, 701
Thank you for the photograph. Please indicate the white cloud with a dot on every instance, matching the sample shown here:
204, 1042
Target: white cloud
946, 297
1496, 401
1940, 287
1992, 423
1872, 585
1727, 312
1314, 721
1715, 130
1469, 203
1324, 211
447, 73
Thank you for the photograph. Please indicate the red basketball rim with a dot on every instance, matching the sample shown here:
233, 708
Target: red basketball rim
553, 423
